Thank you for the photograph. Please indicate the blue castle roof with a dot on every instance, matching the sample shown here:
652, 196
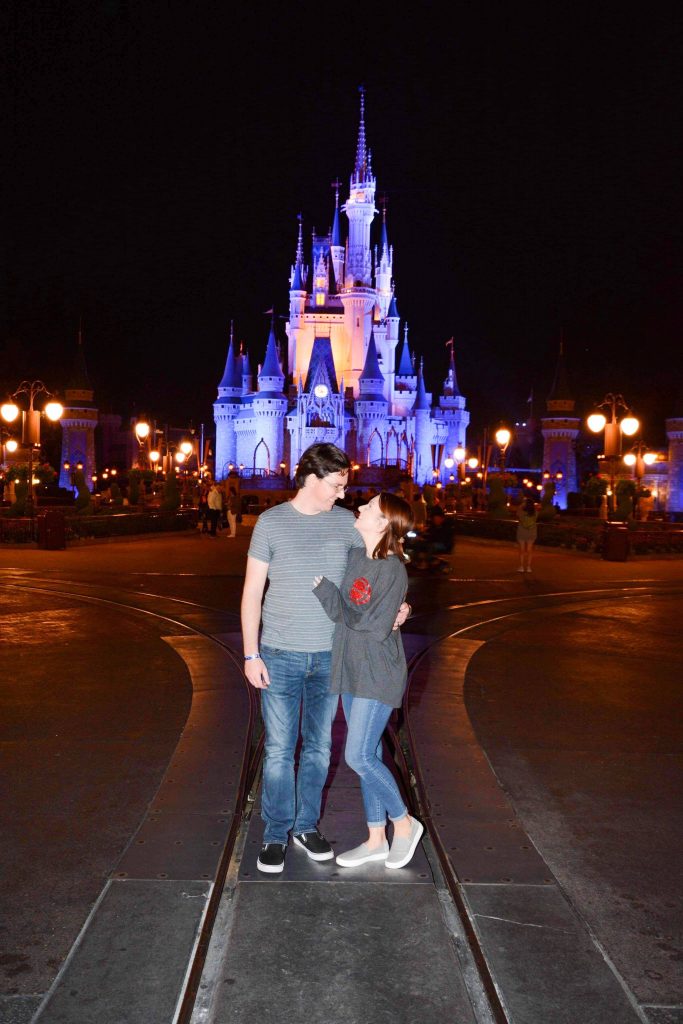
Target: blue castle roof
271, 364
371, 370
421, 400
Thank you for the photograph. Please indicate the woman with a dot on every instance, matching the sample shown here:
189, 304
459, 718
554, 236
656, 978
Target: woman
369, 670
526, 533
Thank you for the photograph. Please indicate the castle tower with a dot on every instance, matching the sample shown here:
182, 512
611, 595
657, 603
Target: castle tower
674, 432
297, 302
371, 410
78, 422
262, 445
452, 410
405, 380
560, 428
225, 409
359, 295
247, 375
422, 432
360, 210
336, 247
384, 261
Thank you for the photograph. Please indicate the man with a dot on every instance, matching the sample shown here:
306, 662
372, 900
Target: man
291, 544
215, 500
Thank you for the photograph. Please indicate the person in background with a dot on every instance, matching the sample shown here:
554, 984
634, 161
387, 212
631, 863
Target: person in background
526, 533
215, 503
233, 505
369, 670
203, 508
419, 510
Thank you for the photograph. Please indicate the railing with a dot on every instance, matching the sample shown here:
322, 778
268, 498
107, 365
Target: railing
22, 530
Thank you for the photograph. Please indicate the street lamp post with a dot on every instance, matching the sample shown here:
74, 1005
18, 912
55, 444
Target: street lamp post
503, 437
613, 428
30, 423
142, 433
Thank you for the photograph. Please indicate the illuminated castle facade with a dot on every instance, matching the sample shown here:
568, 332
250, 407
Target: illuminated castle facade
345, 377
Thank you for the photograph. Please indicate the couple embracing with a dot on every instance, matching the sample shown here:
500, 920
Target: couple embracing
335, 600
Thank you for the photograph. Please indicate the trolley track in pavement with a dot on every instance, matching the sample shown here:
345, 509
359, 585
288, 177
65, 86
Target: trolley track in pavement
473, 616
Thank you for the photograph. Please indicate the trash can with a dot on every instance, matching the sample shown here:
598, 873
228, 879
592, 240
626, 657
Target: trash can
52, 530
615, 545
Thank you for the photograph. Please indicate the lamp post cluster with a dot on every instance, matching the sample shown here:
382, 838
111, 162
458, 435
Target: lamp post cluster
614, 429
155, 451
30, 425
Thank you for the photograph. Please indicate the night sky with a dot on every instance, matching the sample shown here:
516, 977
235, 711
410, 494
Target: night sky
158, 156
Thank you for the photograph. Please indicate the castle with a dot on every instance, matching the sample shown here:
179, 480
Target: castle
343, 380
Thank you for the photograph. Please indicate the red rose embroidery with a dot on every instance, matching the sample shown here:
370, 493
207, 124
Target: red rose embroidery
360, 591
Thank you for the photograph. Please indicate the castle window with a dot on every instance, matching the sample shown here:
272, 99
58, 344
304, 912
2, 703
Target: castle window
320, 298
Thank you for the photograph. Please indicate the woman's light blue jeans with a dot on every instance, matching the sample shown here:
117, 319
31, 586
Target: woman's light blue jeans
299, 687
366, 720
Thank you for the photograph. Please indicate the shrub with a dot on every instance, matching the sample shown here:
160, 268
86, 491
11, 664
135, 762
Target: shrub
83, 501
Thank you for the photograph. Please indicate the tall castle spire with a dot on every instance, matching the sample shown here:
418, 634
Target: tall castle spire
297, 284
361, 148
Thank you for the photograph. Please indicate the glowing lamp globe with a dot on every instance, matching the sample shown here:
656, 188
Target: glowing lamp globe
142, 430
186, 448
649, 458
9, 412
11, 445
630, 459
54, 411
596, 422
459, 453
448, 463
503, 437
180, 457
629, 425
154, 456
473, 462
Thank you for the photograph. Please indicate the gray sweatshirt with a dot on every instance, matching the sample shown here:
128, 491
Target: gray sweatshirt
368, 659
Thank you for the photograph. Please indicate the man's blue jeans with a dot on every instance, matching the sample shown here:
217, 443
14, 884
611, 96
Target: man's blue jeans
367, 719
299, 689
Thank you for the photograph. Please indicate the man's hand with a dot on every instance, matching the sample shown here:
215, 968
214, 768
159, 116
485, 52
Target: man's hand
316, 581
257, 673
403, 613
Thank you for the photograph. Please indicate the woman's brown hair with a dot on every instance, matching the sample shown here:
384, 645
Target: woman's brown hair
399, 517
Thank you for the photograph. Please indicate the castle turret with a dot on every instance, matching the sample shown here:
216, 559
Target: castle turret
225, 410
78, 421
247, 375
422, 432
560, 428
336, 247
452, 410
269, 406
384, 269
371, 409
297, 301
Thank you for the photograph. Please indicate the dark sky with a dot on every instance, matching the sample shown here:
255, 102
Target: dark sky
158, 154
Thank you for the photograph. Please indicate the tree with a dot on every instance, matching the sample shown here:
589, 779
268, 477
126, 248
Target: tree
116, 496
171, 502
497, 504
547, 510
83, 496
625, 495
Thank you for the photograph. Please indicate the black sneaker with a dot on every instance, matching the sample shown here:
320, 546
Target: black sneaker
315, 845
271, 859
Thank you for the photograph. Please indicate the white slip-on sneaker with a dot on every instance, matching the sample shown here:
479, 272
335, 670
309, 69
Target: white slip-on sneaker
362, 855
402, 850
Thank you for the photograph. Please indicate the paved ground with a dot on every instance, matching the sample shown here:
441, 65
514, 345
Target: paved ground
576, 708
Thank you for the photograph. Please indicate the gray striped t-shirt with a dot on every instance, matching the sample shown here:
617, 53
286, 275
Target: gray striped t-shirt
298, 547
